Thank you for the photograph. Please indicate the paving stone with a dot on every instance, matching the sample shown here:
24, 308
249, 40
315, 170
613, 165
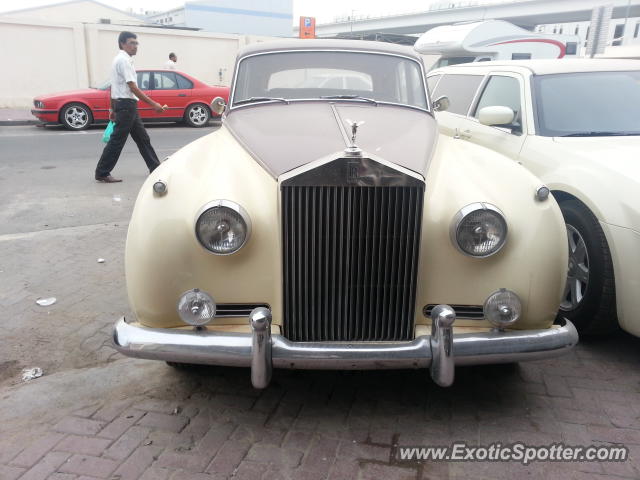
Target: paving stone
271, 454
137, 463
79, 426
84, 445
127, 443
229, 457
38, 449
88, 465
121, 424
161, 421
45, 467
10, 473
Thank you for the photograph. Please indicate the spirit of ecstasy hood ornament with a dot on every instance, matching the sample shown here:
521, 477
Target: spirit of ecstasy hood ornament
353, 150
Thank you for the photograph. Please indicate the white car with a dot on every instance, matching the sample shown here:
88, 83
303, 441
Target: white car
328, 227
576, 125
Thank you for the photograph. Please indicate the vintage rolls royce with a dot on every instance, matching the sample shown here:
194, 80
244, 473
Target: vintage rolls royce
327, 225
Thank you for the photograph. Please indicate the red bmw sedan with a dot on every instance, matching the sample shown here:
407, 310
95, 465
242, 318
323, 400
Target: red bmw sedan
188, 100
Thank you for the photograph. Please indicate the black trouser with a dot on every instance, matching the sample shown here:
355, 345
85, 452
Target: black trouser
127, 122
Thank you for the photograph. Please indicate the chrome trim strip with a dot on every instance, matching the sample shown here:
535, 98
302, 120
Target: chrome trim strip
235, 349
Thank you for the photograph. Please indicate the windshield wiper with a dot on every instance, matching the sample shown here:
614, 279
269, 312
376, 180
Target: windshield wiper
261, 99
600, 134
350, 97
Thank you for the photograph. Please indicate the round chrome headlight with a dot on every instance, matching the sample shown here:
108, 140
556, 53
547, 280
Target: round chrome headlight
479, 230
196, 307
502, 308
223, 227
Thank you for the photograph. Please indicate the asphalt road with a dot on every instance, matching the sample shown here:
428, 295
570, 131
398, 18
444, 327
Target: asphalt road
47, 175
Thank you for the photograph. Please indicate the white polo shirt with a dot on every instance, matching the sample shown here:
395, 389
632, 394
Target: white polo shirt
171, 65
122, 71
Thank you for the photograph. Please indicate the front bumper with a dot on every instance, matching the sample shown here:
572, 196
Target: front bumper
46, 116
261, 351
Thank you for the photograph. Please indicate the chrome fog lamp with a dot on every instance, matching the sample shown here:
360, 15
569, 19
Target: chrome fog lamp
502, 308
196, 308
223, 227
479, 230
160, 188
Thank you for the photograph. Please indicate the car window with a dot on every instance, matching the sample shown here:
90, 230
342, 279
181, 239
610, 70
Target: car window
165, 81
184, 83
144, 79
588, 104
460, 89
313, 75
501, 91
432, 82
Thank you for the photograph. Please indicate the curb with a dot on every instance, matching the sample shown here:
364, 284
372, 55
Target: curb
13, 123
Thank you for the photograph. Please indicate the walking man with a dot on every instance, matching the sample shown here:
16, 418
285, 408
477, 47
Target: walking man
124, 112
171, 63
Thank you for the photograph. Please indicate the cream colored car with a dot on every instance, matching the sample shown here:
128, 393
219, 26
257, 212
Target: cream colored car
327, 227
576, 125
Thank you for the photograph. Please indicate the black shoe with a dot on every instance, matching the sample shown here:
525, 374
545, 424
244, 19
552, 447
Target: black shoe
108, 179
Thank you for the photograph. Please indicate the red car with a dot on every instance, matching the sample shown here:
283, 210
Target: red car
188, 100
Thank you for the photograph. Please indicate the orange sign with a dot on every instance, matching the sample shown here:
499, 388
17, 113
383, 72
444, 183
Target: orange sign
307, 27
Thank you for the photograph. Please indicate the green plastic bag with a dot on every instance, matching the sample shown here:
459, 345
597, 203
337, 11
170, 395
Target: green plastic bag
108, 131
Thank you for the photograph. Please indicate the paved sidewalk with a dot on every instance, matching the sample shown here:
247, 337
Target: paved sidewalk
17, 116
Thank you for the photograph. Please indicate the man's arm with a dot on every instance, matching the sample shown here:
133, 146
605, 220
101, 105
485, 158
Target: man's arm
138, 93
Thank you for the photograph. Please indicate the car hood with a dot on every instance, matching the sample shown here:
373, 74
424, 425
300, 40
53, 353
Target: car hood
283, 137
616, 154
85, 92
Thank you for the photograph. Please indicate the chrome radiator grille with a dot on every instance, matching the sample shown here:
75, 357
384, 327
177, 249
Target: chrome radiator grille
350, 261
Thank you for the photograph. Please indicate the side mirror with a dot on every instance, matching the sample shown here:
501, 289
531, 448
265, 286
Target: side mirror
441, 104
218, 105
496, 116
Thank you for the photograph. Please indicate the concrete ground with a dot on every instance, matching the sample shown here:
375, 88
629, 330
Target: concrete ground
95, 414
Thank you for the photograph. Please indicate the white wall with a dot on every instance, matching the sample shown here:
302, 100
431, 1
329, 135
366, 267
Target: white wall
59, 57
45, 57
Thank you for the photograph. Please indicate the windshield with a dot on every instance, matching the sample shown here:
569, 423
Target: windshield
340, 76
588, 104
104, 86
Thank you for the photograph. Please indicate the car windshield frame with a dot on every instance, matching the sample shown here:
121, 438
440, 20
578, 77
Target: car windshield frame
542, 128
233, 103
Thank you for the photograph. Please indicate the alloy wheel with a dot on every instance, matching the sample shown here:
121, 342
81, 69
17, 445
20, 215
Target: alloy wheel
76, 117
578, 274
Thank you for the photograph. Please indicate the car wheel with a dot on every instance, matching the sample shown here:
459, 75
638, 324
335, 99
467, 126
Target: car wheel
197, 115
76, 116
589, 297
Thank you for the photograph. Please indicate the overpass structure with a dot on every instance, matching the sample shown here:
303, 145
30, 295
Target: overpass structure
524, 13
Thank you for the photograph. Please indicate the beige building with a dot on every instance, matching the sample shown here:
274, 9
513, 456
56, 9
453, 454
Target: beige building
80, 11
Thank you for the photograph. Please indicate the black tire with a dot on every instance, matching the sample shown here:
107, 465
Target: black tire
76, 116
589, 300
197, 115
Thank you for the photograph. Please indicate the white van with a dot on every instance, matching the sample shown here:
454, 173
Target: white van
492, 40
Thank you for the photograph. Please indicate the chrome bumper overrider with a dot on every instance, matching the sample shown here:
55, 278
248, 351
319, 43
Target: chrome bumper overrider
261, 351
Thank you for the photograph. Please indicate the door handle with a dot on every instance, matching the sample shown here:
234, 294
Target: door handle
182, 94
466, 134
